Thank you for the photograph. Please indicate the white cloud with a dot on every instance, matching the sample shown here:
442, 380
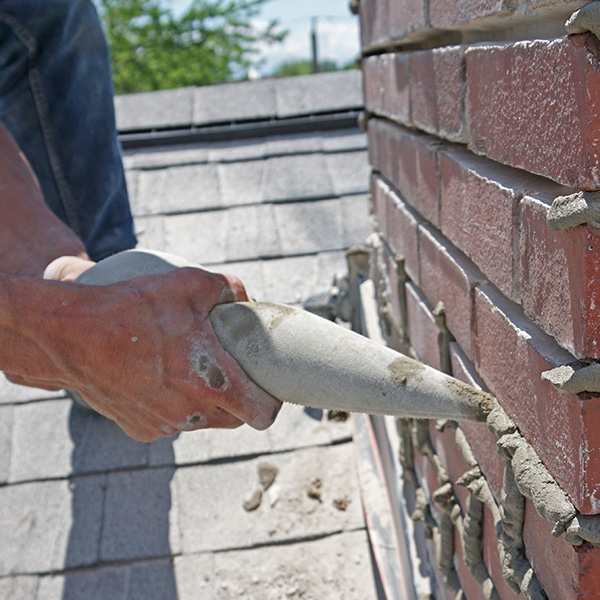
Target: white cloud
337, 40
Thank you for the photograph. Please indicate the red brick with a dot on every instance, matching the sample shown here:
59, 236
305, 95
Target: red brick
371, 83
372, 143
482, 442
535, 104
374, 24
554, 561
417, 176
479, 213
450, 13
471, 588
498, 13
512, 353
448, 276
422, 329
452, 459
394, 339
394, 85
492, 558
402, 232
437, 90
560, 279
406, 17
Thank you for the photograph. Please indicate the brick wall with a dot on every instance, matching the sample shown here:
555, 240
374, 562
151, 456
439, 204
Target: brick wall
479, 114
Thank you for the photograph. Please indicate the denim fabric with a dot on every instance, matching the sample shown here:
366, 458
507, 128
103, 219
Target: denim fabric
56, 99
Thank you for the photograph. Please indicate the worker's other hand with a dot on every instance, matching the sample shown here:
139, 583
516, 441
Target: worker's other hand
143, 352
67, 268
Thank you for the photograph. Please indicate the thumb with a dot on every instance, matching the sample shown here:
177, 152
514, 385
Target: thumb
67, 268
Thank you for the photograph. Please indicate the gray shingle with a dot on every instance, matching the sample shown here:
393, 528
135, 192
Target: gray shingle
105, 447
338, 566
34, 533
250, 232
137, 515
356, 226
289, 280
241, 182
335, 141
41, 443
18, 588
87, 500
198, 237
211, 497
153, 580
300, 143
150, 231
249, 100
11, 393
178, 189
6, 425
236, 150
166, 156
101, 584
325, 92
309, 227
328, 264
293, 429
154, 110
349, 172
296, 178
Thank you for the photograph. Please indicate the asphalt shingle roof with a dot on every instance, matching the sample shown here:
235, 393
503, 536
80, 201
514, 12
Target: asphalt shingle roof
86, 512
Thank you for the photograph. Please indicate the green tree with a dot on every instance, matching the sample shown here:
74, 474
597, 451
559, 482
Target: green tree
305, 67
152, 49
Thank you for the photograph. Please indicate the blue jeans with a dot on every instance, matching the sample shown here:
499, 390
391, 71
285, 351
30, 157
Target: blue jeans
56, 99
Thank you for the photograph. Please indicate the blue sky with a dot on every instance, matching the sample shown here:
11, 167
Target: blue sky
337, 29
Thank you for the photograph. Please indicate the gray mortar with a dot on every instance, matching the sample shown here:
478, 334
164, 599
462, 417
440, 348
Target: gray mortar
587, 18
574, 378
535, 482
579, 208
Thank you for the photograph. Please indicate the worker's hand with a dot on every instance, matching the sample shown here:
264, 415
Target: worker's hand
143, 352
67, 268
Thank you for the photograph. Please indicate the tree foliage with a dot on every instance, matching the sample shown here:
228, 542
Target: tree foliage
152, 49
305, 67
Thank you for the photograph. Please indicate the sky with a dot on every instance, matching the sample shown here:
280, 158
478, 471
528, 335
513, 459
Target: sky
337, 30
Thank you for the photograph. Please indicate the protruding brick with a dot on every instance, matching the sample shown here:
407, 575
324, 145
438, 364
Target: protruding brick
525, 101
560, 279
449, 277
437, 91
479, 213
512, 354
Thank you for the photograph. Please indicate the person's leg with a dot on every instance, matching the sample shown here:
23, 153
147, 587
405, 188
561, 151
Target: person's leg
56, 98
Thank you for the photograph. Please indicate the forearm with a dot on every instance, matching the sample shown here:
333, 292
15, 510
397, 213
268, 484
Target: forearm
31, 236
33, 321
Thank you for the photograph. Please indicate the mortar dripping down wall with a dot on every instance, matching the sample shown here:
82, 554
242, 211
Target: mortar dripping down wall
525, 477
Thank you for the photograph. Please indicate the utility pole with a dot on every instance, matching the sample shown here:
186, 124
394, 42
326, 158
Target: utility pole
313, 38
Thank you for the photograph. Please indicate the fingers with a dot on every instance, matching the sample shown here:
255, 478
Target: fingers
36, 383
67, 268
